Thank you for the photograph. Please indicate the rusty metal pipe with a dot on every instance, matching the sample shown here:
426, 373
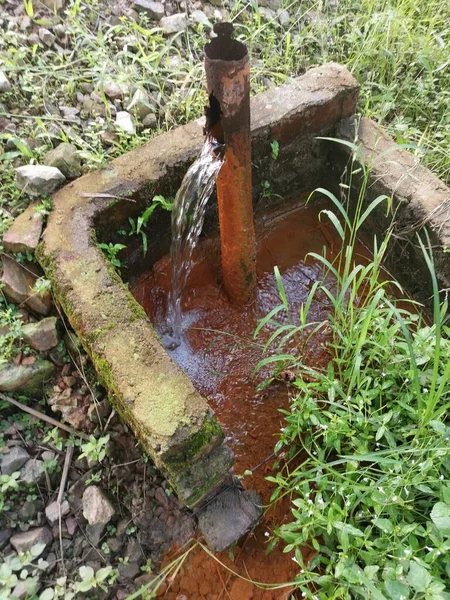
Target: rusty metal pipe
228, 120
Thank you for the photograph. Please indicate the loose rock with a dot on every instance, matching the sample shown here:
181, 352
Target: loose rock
28, 510
150, 121
114, 89
174, 23
46, 37
200, 17
28, 379
108, 138
14, 460
25, 233
22, 542
64, 157
140, 104
229, 517
155, 10
54, 5
37, 180
272, 4
32, 472
53, 510
42, 335
125, 122
97, 509
5, 534
5, 86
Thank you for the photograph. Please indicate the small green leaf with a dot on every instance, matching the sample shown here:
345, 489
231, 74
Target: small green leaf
384, 524
418, 577
440, 515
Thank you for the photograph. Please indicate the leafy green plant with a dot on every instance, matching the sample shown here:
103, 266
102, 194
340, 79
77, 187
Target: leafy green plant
370, 497
11, 326
275, 147
111, 251
141, 221
95, 449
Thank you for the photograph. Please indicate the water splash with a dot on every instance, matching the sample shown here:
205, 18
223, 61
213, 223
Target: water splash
188, 214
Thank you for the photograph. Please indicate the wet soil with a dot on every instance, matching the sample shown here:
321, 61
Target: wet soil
219, 353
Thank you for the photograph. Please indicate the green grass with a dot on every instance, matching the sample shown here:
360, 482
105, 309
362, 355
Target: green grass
367, 435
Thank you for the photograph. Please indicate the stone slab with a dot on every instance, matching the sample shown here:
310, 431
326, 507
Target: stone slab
24, 234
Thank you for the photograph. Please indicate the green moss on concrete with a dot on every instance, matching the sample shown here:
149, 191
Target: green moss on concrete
210, 430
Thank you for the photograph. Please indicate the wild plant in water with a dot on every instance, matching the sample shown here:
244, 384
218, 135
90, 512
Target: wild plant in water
368, 435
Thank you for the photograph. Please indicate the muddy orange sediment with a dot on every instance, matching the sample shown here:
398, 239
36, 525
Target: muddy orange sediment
219, 353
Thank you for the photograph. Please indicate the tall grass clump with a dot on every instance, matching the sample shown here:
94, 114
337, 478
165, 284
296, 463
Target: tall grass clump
367, 436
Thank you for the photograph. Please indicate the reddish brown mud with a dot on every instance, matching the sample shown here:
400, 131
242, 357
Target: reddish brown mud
219, 353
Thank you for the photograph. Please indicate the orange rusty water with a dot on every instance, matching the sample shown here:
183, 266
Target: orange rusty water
219, 354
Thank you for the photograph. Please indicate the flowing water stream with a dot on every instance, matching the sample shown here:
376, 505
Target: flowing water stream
187, 221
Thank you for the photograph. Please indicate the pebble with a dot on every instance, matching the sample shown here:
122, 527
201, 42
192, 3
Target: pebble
66, 158
97, 509
199, 17
14, 460
46, 37
32, 472
174, 23
150, 121
42, 335
28, 510
124, 121
24, 541
5, 86
36, 180
140, 104
28, 379
155, 10
52, 511
114, 90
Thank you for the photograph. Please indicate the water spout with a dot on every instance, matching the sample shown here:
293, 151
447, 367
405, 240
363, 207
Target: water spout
228, 120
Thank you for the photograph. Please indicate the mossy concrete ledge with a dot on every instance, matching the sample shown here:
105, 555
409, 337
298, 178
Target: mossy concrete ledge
153, 395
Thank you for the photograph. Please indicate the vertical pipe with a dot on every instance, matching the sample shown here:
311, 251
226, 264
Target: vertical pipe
228, 120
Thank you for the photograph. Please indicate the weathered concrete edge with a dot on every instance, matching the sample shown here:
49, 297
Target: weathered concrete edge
421, 194
152, 394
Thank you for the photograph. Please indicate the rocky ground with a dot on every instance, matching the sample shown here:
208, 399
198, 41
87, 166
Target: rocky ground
82, 512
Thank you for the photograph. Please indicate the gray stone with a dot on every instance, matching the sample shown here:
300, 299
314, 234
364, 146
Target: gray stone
37, 180
25, 233
124, 121
128, 571
42, 335
174, 23
97, 509
95, 532
28, 379
26, 589
47, 455
28, 510
21, 542
272, 4
108, 138
46, 37
150, 121
14, 460
32, 472
140, 104
114, 89
5, 534
229, 517
53, 510
54, 5
283, 17
65, 157
155, 10
5, 86
268, 13
199, 17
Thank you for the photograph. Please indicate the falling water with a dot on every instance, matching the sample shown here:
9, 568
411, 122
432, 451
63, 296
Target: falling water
187, 221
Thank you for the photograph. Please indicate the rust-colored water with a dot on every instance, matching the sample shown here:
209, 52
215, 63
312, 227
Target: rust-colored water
219, 354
